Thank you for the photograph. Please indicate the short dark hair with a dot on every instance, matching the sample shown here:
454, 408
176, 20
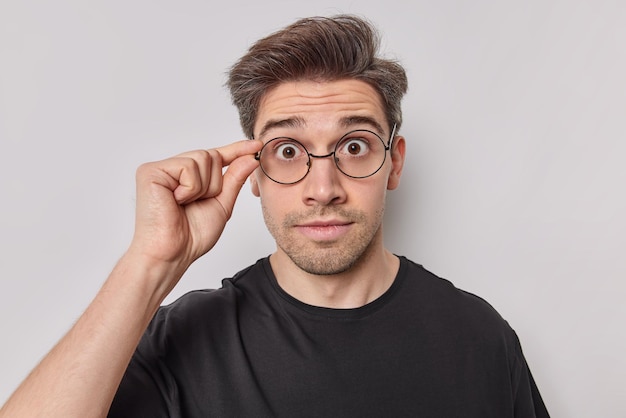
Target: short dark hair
319, 49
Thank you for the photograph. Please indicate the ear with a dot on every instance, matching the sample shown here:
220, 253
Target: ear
398, 152
254, 185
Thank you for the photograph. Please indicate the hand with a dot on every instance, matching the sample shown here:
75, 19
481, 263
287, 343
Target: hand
184, 202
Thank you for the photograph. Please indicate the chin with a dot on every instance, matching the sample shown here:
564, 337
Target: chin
327, 262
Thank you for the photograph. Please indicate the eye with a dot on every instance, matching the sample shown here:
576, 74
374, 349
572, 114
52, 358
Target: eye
354, 147
286, 151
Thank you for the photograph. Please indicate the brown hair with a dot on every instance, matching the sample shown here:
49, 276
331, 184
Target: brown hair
321, 49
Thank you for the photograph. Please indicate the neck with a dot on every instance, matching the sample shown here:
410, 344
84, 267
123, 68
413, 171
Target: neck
364, 282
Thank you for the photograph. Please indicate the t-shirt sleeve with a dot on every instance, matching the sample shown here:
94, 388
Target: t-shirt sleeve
147, 389
140, 394
528, 400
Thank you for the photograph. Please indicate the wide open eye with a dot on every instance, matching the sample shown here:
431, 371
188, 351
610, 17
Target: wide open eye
353, 147
284, 160
287, 150
360, 153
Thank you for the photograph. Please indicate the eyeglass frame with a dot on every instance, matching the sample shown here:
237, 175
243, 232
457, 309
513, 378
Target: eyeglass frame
387, 147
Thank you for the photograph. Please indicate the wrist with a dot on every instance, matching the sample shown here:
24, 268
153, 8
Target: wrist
146, 277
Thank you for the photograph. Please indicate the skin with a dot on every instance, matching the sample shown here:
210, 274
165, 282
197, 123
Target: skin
328, 227
183, 204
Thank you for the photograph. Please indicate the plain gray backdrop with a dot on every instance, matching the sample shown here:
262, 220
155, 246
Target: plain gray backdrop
514, 185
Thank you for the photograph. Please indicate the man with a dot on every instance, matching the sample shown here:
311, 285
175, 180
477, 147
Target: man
332, 323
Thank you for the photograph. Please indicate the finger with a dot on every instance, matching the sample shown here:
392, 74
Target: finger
224, 156
206, 165
238, 149
214, 186
192, 174
198, 174
234, 178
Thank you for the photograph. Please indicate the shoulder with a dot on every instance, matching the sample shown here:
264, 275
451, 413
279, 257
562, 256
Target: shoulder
202, 304
458, 319
442, 302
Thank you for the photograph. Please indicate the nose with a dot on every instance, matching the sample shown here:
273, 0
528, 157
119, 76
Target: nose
323, 184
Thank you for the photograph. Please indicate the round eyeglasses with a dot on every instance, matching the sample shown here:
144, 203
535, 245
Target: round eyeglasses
358, 154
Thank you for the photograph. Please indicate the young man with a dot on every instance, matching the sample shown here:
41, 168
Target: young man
332, 323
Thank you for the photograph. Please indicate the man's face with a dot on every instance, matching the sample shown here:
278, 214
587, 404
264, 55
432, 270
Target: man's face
328, 222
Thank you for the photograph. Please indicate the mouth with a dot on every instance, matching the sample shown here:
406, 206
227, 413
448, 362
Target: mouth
321, 230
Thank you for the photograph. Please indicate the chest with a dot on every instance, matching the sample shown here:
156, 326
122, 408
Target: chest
386, 365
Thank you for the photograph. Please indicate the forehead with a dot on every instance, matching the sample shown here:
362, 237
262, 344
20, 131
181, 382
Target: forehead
310, 105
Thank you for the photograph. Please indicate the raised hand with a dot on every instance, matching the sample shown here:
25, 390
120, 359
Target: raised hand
184, 202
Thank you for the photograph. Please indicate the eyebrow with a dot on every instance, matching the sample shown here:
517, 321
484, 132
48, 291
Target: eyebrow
294, 122
350, 121
299, 122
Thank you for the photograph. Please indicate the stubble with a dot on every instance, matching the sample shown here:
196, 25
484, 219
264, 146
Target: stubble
326, 257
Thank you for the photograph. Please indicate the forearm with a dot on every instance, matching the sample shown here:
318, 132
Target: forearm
80, 375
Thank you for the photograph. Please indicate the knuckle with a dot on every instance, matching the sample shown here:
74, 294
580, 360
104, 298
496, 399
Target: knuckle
214, 187
143, 170
202, 157
213, 156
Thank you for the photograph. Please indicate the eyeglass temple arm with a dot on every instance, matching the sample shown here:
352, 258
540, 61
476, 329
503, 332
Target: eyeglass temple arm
392, 136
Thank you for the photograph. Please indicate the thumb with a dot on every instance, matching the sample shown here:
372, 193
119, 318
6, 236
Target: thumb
234, 178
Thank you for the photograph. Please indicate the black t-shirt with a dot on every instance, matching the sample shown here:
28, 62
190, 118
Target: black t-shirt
422, 349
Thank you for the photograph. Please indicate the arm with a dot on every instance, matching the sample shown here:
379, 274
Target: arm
183, 204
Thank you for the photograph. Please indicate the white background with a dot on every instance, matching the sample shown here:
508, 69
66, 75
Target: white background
514, 189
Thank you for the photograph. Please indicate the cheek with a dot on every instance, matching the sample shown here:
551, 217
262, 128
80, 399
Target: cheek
372, 188
369, 196
275, 200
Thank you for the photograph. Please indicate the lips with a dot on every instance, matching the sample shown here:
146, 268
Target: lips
324, 230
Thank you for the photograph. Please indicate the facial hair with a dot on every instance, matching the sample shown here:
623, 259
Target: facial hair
328, 257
